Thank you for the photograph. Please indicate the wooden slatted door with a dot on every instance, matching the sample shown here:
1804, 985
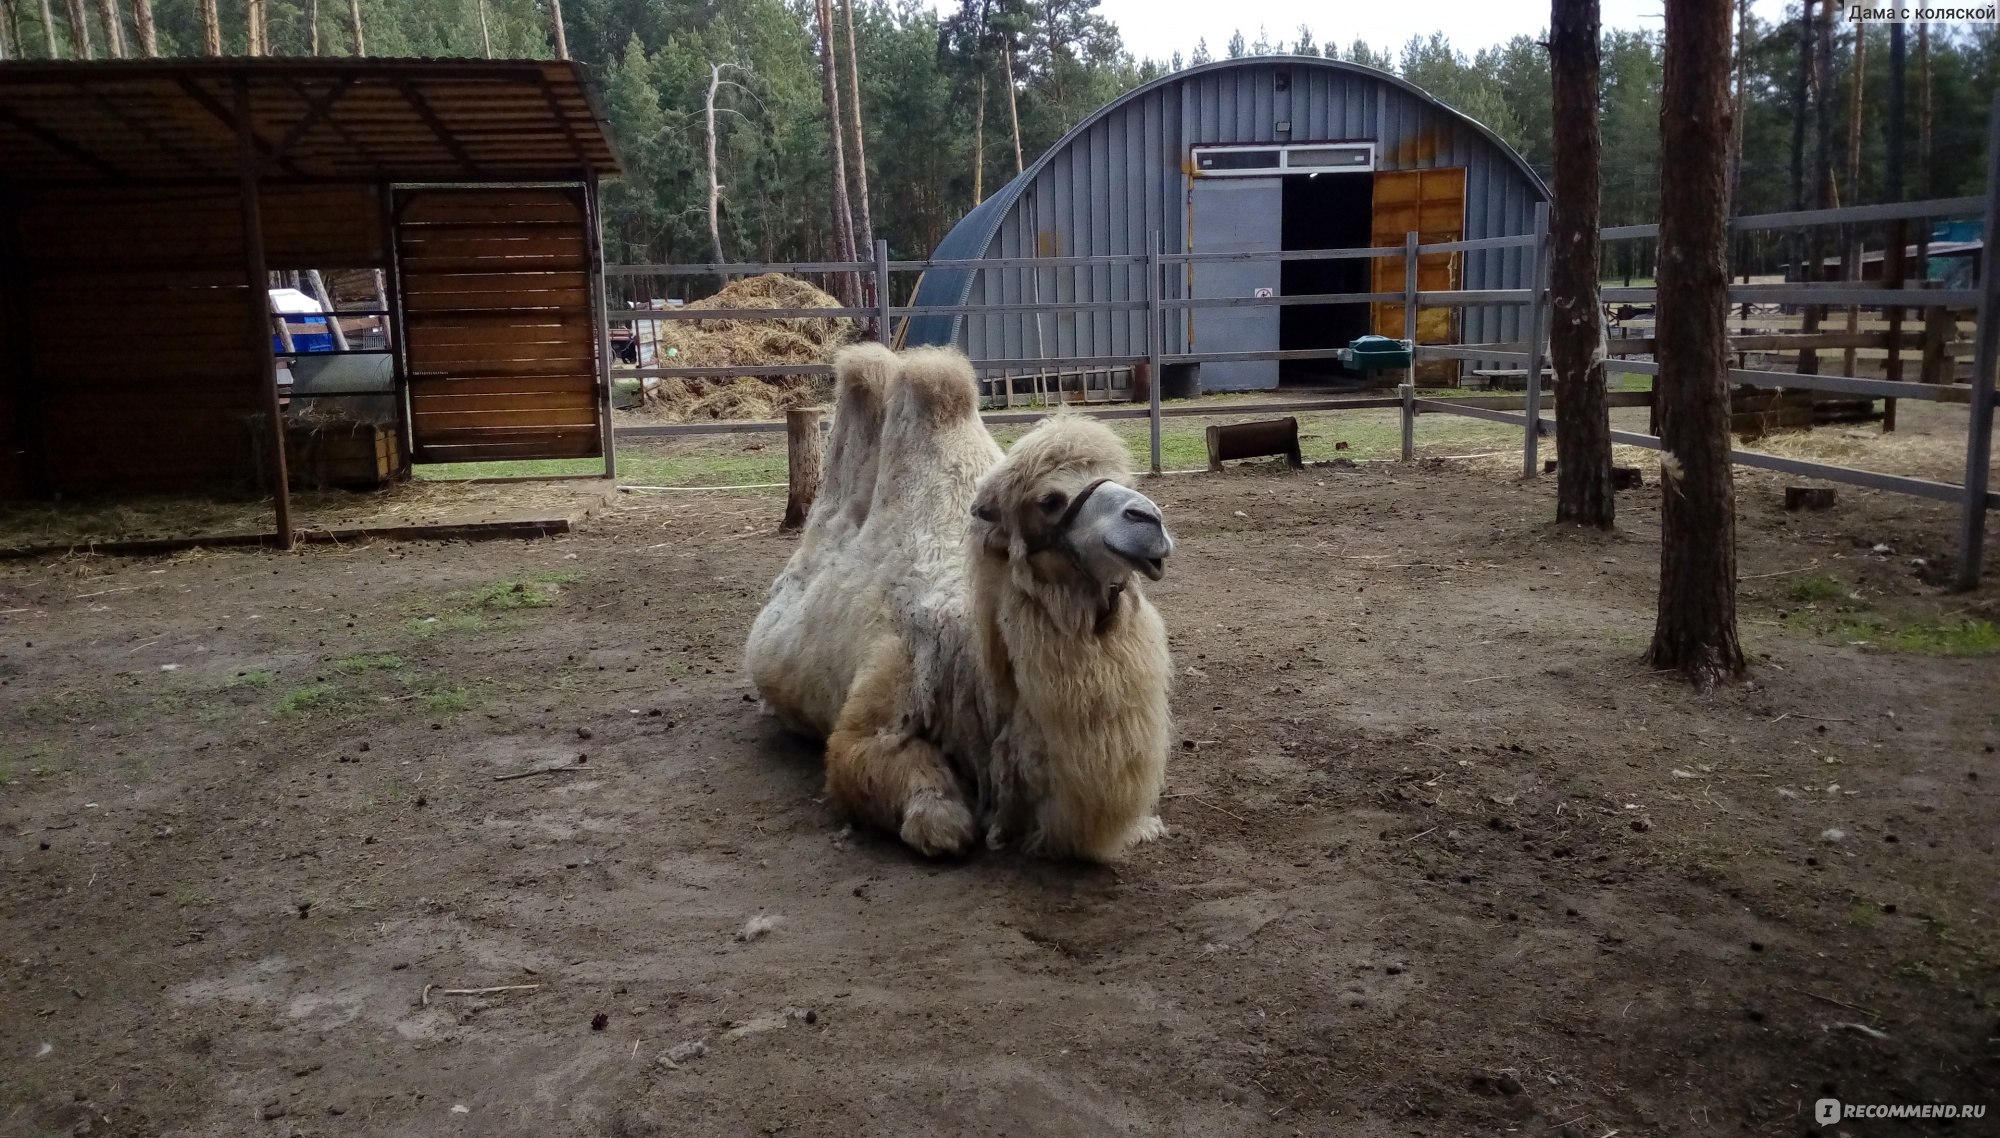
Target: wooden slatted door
499, 324
1431, 202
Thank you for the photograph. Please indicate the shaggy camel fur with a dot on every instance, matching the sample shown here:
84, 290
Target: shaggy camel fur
966, 631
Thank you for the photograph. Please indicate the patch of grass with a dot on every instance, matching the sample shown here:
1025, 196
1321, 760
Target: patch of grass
6, 772
449, 622
189, 896
367, 662
534, 592
531, 468
310, 697
1926, 638
259, 678
447, 701
1817, 588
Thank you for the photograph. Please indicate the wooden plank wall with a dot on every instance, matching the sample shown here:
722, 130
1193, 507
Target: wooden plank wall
499, 324
139, 362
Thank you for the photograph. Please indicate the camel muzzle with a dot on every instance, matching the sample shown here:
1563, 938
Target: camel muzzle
1126, 524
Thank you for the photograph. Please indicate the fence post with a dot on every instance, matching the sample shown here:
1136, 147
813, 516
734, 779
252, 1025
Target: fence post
1408, 390
804, 462
1154, 254
1538, 300
882, 293
1986, 354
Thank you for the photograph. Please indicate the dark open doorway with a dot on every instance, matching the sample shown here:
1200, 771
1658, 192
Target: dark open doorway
1323, 211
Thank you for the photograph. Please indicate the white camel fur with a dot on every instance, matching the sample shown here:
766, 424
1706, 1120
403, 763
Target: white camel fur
966, 631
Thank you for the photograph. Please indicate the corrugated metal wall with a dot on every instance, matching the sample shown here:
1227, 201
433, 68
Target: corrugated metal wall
1123, 173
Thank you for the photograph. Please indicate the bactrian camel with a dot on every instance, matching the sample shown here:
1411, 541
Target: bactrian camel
966, 631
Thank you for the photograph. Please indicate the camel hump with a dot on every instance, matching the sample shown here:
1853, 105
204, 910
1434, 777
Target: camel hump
939, 385
862, 375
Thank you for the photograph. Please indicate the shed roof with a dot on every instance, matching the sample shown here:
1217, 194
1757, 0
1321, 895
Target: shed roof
320, 119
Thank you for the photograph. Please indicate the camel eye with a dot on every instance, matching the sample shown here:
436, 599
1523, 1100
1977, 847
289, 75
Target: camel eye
1053, 500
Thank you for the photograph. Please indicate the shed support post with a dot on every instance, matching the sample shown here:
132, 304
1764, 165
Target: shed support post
1408, 389
607, 438
1538, 303
1154, 262
389, 299
882, 318
1986, 354
258, 305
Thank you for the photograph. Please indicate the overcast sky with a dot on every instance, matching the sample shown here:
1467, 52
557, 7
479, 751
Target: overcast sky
1158, 28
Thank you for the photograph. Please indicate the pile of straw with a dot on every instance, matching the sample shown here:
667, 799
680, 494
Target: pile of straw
741, 343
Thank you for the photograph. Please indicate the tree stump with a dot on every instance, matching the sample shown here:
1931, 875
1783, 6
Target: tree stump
804, 459
1626, 478
1809, 497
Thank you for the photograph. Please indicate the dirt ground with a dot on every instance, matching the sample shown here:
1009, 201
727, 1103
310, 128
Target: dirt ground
1445, 858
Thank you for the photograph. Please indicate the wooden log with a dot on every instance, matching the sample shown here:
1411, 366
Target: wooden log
1626, 478
1809, 497
1254, 440
804, 459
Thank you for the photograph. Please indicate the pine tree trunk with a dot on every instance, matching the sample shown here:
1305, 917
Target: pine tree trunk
253, 18
1695, 632
1014, 110
312, 27
1856, 79
1576, 318
978, 140
714, 184
562, 37
1825, 190
354, 21
1929, 189
79, 31
142, 22
49, 27
113, 24
865, 237
841, 207
485, 30
211, 29
1795, 240
1742, 101
1857, 74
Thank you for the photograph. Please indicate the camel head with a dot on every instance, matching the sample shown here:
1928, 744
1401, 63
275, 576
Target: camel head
1055, 508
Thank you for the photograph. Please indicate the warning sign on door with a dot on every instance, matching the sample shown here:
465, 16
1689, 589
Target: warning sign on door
1262, 292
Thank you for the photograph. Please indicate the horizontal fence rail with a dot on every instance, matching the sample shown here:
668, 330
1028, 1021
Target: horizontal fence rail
1161, 278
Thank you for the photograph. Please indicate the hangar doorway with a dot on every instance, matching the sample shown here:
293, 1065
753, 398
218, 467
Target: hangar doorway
1323, 211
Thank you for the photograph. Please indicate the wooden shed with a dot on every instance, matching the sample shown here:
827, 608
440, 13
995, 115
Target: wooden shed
144, 204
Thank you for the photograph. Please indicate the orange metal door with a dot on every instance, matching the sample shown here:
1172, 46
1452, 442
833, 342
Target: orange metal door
1432, 203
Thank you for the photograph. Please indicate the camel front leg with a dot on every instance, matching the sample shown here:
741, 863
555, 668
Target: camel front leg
882, 775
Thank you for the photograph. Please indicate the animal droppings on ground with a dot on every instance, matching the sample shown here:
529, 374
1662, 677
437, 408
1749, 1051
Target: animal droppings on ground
763, 924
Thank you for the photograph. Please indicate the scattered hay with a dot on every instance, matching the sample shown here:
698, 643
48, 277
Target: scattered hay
740, 343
